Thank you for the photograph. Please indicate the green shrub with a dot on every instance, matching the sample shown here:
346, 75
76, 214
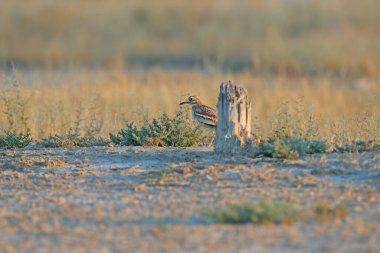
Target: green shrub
14, 140
263, 212
178, 131
290, 147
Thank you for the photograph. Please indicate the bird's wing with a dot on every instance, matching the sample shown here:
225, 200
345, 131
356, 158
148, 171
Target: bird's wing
206, 114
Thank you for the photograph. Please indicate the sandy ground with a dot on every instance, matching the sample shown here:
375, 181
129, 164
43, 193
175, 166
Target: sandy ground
137, 199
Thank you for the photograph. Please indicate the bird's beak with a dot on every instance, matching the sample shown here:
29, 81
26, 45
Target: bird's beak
184, 102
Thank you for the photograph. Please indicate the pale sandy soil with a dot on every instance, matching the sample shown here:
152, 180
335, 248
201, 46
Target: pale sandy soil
136, 199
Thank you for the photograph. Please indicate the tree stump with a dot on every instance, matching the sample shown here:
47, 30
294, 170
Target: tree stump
233, 132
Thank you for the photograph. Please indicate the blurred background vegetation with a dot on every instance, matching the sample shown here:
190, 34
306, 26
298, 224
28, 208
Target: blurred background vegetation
293, 37
307, 64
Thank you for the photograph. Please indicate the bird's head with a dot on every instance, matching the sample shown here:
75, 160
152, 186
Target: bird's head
192, 100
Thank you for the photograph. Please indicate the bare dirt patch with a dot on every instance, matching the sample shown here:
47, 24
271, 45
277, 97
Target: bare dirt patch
125, 199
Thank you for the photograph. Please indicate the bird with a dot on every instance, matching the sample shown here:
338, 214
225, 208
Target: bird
205, 115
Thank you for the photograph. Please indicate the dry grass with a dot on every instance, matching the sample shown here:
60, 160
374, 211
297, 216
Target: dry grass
48, 103
288, 37
311, 67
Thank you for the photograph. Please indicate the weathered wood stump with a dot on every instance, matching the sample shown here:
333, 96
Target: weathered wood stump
233, 132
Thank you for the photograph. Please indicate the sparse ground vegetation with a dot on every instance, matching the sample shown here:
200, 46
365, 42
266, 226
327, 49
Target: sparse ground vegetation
325, 212
263, 212
72, 139
290, 147
277, 212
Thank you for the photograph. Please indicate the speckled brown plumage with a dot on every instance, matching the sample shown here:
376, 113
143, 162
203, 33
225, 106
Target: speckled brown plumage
203, 114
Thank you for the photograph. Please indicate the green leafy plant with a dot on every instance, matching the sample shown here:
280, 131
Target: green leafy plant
280, 212
262, 212
290, 147
14, 140
177, 131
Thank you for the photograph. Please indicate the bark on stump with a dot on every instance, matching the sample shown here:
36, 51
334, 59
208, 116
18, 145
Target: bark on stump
233, 132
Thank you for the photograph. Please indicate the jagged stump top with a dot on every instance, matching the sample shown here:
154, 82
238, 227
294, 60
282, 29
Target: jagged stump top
234, 119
